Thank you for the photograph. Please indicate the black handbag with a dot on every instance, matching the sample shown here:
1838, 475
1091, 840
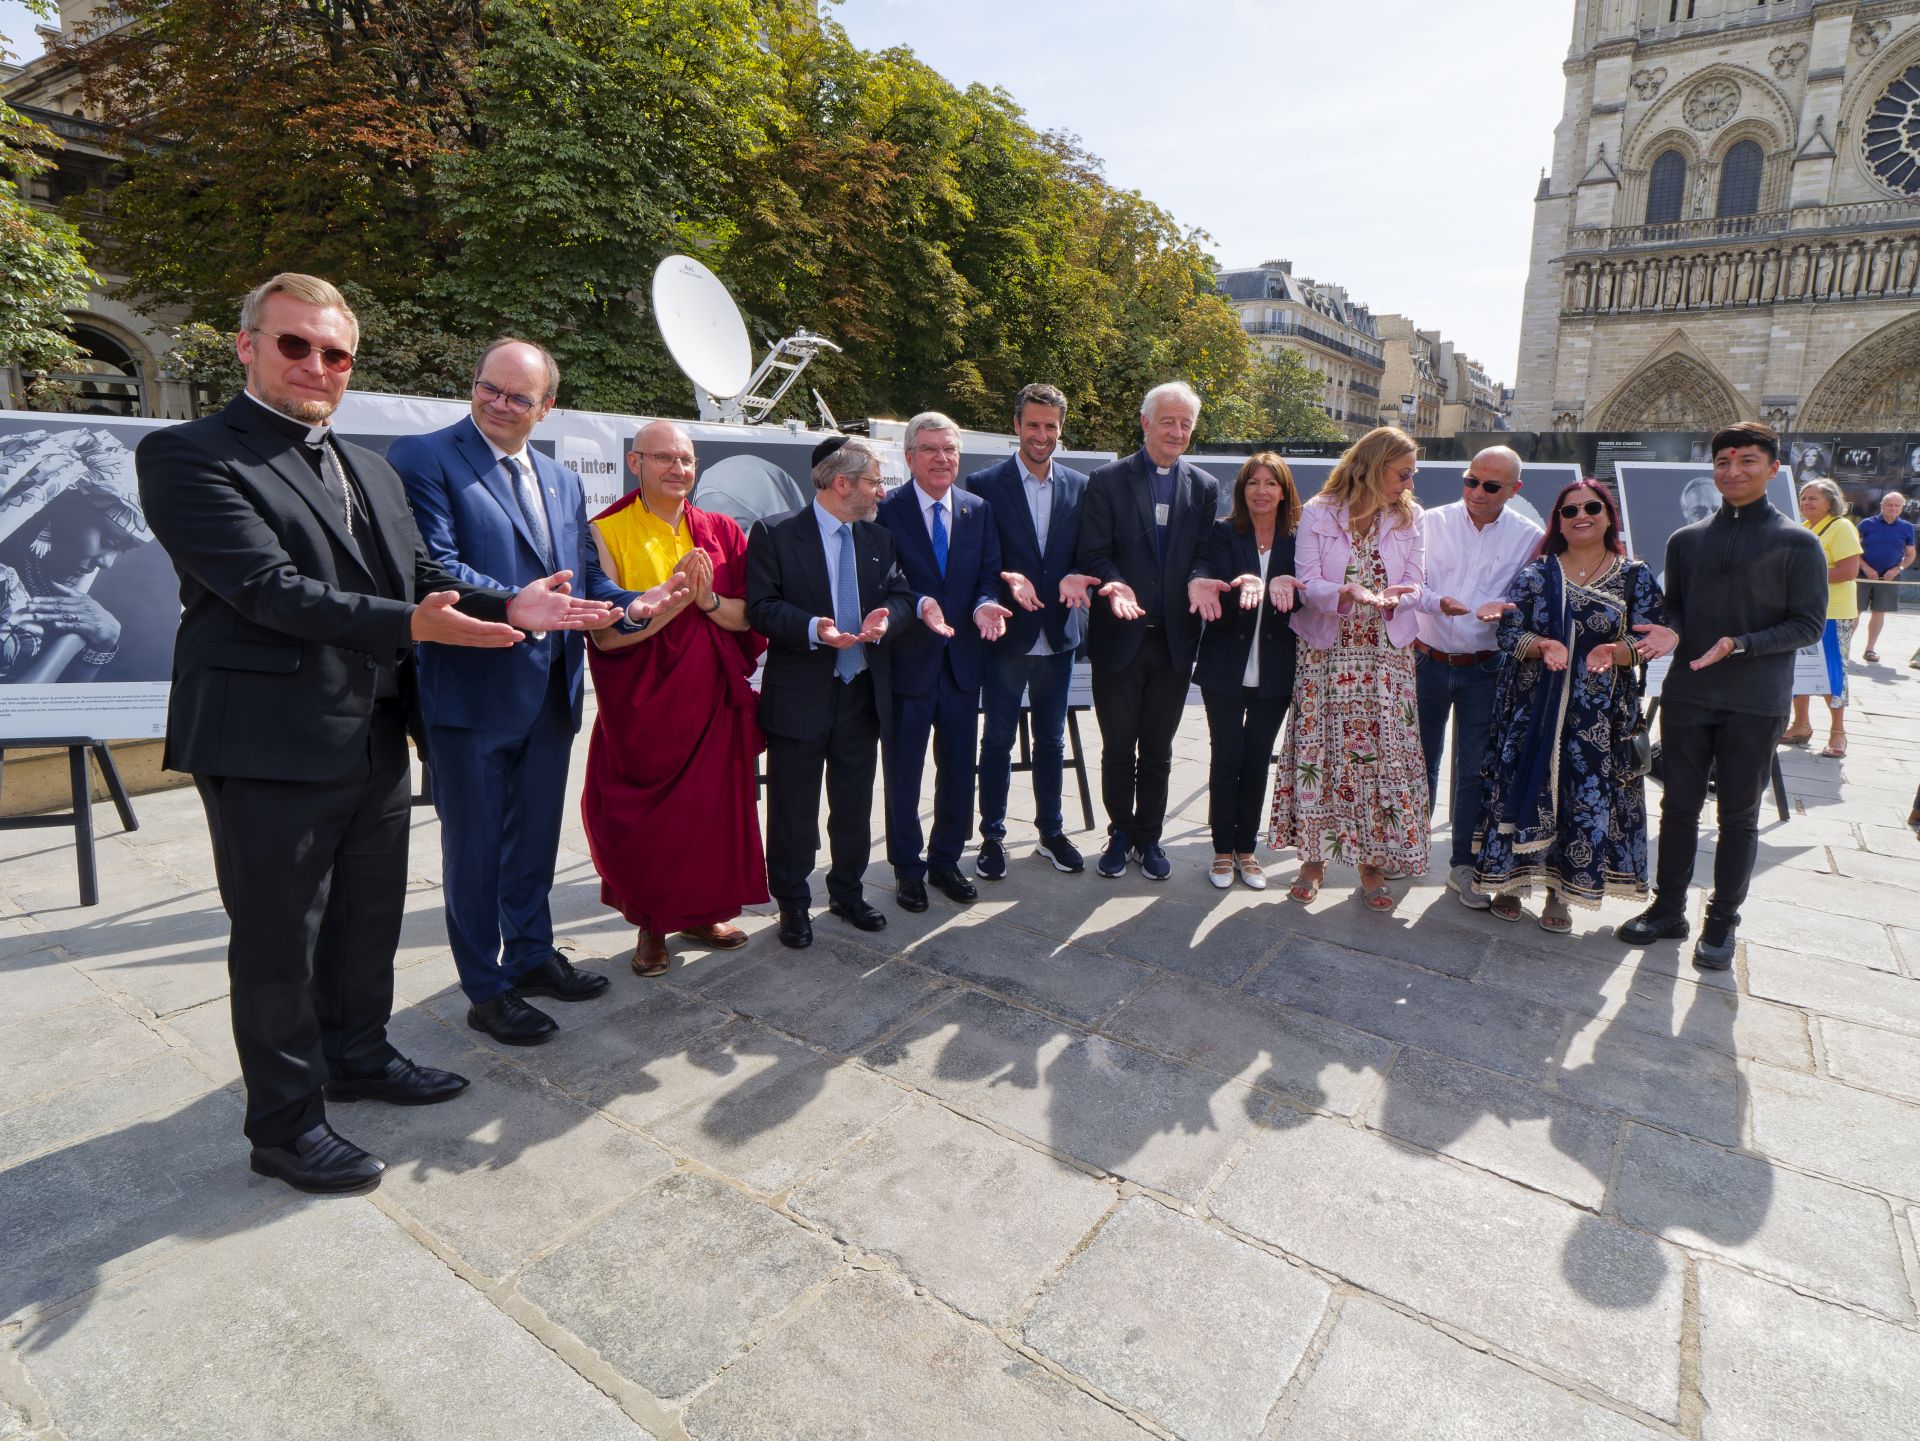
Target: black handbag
1640, 745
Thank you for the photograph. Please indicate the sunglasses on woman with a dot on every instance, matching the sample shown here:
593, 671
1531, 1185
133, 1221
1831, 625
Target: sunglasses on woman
298, 347
1592, 507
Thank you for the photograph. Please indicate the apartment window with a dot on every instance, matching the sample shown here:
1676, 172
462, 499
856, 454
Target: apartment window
1667, 188
1740, 181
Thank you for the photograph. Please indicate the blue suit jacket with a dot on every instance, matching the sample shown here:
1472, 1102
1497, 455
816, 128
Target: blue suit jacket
972, 579
1004, 487
472, 524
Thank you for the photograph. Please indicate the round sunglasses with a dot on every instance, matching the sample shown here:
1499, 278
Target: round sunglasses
1592, 507
298, 347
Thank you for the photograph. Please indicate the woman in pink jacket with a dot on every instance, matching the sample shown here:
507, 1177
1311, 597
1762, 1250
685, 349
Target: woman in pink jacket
1352, 784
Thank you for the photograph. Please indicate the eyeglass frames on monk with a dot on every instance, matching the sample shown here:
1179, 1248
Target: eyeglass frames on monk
518, 404
298, 347
1474, 482
1592, 507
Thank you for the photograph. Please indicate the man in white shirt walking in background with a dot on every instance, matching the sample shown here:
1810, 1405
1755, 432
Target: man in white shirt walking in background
1475, 547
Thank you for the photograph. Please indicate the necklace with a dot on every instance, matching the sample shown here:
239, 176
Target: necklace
328, 460
1580, 575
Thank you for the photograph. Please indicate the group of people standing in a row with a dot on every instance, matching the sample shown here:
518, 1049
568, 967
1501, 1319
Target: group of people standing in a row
311, 569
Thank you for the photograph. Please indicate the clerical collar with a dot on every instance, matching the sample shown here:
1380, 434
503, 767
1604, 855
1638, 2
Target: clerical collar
293, 429
1154, 465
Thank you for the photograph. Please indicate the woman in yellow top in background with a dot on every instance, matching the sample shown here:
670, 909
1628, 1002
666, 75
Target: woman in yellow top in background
1823, 510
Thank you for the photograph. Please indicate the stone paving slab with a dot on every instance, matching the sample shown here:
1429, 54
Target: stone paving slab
43, 1055
165, 1082
1583, 1295
1656, 1078
38, 980
1219, 941
1836, 988
1876, 1059
1796, 926
978, 1219
1838, 1131
1386, 1377
1068, 980
1776, 1366
1181, 1322
324, 1320
871, 1360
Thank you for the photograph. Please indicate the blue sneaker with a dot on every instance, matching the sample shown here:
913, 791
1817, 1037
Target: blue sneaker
991, 863
1154, 864
1062, 853
1113, 860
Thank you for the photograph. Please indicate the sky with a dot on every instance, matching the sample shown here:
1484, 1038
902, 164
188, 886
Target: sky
1392, 147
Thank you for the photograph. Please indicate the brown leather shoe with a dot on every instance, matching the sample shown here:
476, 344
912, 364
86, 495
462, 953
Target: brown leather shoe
719, 936
650, 955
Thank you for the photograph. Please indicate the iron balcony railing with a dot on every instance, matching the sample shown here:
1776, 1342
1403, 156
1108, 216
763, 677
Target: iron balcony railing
1806, 220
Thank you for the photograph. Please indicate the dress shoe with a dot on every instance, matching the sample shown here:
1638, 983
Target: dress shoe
911, 894
1652, 924
320, 1161
859, 914
558, 979
1064, 854
991, 863
1714, 950
402, 1083
511, 1021
650, 954
796, 927
957, 886
717, 937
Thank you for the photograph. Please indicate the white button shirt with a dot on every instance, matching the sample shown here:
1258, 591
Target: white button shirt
1472, 564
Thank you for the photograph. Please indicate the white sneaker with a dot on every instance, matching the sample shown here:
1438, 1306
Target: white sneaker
1460, 879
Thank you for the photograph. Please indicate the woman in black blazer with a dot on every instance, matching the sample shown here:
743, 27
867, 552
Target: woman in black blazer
1245, 666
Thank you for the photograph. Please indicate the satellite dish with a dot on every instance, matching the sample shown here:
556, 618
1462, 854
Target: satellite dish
702, 326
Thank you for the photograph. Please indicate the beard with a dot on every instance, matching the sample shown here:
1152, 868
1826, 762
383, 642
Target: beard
307, 412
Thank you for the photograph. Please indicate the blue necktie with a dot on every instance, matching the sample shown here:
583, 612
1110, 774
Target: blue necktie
846, 609
940, 538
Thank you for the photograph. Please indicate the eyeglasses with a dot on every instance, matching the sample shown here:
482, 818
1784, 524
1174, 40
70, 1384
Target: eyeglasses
1592, 507
1491, 487
518, 404
298, 347
669, 457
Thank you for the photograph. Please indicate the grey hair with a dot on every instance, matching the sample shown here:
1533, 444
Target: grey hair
1172, 390
1836, 502
1896, 495
929, 420
546, 357
854, 459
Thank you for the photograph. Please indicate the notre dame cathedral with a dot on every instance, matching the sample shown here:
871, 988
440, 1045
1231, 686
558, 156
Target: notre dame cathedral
1731, 229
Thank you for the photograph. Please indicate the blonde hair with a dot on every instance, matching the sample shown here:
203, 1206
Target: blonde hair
1355, 481
308, 288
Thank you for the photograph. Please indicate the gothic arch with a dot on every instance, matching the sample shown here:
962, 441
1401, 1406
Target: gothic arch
1857, 101
1873, 387
1670, 391
1760, 101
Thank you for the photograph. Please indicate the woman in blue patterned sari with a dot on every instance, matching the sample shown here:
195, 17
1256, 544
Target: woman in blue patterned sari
1562, 810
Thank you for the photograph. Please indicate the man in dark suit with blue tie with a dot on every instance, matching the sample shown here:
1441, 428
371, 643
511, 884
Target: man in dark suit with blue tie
500, 724
949, 549
1036, 509
1142, 529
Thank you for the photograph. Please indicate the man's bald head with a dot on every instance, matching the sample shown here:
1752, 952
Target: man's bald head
662, 460
1504, 461
1490, 481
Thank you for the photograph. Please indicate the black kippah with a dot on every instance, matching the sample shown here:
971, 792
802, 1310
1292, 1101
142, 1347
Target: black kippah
828, 446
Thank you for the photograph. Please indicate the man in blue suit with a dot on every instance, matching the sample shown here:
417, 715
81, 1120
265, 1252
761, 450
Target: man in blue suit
949, 550
1036, 509
500, 724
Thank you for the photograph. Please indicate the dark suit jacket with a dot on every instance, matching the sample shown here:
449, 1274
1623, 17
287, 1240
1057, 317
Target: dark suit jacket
281, 627
787, 587
1004, 488
473, 526
1222, 664
972, 579
1117, 543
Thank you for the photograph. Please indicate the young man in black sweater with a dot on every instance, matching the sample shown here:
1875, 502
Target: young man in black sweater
1746, 588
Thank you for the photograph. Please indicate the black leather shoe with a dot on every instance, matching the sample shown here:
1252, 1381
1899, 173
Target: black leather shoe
1652, 925
912, 895
558, 979
796, 927
511, 1021
859, 914
402, 1084
957, 886
320, 1161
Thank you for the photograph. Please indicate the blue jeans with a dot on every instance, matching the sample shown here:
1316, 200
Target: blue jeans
1045, 679
1466, 692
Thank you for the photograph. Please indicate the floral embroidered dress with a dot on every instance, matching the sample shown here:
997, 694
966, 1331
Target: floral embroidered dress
1561, 809
1351, 785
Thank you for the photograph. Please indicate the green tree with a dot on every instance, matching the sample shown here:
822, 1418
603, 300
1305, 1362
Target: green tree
1281, 400
43, 262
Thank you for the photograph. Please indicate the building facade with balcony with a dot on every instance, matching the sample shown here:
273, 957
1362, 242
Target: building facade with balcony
1336, 337
1413, 373
1731, 228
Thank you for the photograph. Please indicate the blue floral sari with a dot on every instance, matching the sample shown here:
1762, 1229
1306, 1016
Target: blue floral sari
1561, 810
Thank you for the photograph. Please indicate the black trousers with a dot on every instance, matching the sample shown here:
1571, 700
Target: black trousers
847, 753
1139, 710
1739, 749
1241, 727
313, 875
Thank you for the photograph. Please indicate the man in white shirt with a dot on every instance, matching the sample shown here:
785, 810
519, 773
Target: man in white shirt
1475, 547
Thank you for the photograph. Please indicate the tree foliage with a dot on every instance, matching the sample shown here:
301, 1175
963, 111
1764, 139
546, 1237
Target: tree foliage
43, 261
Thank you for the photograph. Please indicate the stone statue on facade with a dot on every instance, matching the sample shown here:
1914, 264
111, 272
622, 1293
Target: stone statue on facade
1769, 274
1797, 273
1743, 279
1850, 270
1603, 290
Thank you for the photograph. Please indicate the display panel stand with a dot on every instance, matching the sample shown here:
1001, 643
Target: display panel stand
80, 817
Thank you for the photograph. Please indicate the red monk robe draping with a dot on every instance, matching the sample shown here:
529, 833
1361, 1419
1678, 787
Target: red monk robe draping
670, 805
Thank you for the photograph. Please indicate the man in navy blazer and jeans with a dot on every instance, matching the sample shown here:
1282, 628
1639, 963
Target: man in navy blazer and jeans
1036, 509
1142, 528
950, 552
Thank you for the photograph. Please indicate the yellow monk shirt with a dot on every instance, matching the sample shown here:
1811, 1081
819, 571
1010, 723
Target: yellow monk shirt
1839, 540
638, 549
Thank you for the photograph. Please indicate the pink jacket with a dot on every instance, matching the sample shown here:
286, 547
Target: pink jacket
1321, 552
